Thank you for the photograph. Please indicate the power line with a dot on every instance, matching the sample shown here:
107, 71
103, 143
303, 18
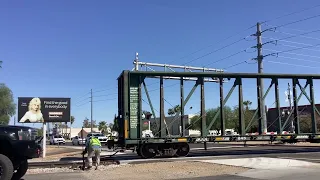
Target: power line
83, 104
298, 59
104, 90
285, 51
276, 54
301, 20
289, 14
293, 42
297, 65
105, 95
227, 57
235, 42
237, 64
105, 100
82, 100
234, 34
294, 29
297, 35
317, 50
79, 97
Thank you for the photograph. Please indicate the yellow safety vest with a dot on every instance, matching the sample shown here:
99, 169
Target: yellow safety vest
95, 142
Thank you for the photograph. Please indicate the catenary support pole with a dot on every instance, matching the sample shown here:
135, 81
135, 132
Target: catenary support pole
276, 89
204, 131
260, 122
222, 123
295, 120
313, 114
260, 70
162, 115
182, 124
241, 115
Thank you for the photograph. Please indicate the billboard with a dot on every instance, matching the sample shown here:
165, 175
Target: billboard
39, 110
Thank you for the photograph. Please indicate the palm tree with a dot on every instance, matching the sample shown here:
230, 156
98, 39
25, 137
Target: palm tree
103, 127
247, 104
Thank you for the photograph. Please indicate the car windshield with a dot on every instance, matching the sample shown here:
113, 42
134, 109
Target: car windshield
98, 135
58, 136
27, 134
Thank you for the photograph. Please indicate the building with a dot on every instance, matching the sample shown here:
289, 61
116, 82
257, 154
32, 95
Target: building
72, 132
272, 116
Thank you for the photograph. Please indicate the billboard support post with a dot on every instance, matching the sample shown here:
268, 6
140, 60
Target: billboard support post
44, 140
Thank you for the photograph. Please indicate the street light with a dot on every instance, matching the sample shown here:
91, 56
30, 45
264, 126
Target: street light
0, 64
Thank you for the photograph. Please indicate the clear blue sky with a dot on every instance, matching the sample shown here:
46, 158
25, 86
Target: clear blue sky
65, 48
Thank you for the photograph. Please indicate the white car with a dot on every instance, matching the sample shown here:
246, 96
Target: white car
102, 138
78, 140
57, 139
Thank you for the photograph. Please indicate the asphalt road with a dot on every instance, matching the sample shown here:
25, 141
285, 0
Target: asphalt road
218, 151
215, 151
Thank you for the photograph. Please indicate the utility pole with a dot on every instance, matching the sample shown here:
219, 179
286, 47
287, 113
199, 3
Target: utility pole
14, 120
260, 71
91, 113
290, 105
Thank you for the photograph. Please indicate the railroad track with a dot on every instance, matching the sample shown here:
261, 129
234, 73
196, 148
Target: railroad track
67, 164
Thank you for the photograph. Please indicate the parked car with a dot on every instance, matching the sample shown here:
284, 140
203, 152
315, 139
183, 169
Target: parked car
17, 145
102, 138
78, 141
57, 139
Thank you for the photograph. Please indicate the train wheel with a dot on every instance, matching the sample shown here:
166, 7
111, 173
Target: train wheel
147, 151
183, 149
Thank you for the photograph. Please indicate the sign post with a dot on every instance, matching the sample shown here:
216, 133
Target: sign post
44, 140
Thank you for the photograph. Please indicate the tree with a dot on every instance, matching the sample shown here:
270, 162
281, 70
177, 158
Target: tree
306, 123
7, 105
87, 123
174, 110
72, 119
195, 122
103, 127
247, 104
115, 126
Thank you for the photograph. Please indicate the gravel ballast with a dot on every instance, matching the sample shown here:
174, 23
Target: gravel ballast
159, 170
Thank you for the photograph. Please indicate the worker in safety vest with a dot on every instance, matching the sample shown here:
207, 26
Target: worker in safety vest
93, 147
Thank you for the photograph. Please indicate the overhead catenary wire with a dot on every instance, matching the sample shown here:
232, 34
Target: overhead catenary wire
292, 13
